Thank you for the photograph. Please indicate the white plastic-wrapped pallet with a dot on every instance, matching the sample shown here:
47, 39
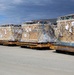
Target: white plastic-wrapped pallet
10, 32
37, 32
66, 27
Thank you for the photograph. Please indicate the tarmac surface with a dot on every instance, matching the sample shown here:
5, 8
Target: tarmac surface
25, 61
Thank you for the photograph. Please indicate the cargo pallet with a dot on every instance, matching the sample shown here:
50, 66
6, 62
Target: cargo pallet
34, 45
8, 43
62, 48
1, 42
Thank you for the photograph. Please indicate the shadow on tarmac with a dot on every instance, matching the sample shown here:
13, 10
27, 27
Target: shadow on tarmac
64, 52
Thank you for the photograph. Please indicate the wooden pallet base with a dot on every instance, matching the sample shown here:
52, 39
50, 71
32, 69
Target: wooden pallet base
9, 43
39, 46
34, 45
62, 48
1, 42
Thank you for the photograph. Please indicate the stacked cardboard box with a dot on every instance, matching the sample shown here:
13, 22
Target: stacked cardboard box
37, 33
10, 32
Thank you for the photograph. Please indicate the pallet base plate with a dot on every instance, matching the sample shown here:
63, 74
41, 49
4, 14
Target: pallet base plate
34, 45
63, 48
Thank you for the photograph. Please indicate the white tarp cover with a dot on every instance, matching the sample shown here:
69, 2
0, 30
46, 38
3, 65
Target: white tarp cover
72, 23
67, 27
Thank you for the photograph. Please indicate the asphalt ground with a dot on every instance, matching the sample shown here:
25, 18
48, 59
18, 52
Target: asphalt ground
24, 61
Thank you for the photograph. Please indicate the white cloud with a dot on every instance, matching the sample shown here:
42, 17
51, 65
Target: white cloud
17, 1
32, 2
37, 2
2, 7
7, 4
11, 9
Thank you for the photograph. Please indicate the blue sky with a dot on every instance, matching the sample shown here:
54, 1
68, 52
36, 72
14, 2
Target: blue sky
19, 11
